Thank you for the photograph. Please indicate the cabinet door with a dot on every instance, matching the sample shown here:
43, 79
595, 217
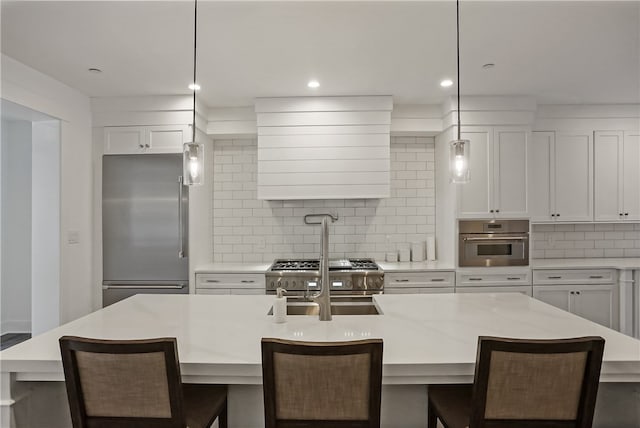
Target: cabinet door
573, 177
419, 290
475, 196
541, 193
607, 175
122, 140
510, 180
167, 139
597, 303
631, 176
555, 295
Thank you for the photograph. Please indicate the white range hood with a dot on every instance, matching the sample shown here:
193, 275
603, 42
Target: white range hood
323, 147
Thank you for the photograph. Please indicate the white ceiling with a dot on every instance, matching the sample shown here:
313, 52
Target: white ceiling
559, 52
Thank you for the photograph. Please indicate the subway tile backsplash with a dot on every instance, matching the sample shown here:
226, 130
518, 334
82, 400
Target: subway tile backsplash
249, 230
553, 241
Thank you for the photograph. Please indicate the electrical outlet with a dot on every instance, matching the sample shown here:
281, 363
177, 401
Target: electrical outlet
260, 243
551, 241
73, 237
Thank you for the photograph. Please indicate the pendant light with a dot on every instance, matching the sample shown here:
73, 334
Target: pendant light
458, 148
193, 152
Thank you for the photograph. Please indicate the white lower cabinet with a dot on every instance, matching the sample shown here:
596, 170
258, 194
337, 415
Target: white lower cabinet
419, 282
230, 283
591, 294
494, 280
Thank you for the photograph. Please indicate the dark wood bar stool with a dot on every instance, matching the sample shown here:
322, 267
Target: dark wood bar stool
322, 384
135, 384
524, 384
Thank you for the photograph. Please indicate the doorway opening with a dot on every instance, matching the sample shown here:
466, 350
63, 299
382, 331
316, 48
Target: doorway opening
30, 222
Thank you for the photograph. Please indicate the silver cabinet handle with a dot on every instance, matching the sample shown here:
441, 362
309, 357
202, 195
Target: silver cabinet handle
146, 287
501, 238
513, 278
180, 238
475, 279
247, 281
402, 280
212, 280
437, 279
595, 276
554, 277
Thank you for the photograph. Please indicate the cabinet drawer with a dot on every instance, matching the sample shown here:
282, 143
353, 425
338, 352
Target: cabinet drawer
229, 280
216, 291
524, 289
418, 279
418, 290
574, 276
473, 279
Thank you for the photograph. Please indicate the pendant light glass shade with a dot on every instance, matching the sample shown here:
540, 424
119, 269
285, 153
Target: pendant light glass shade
459, 156
193, 152
459, 150
193, 164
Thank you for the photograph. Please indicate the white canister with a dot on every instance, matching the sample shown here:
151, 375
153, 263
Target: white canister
405, 255
431, 248
391, 256
417, 251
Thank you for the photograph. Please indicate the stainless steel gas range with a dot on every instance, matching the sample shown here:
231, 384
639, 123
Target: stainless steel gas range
356, 277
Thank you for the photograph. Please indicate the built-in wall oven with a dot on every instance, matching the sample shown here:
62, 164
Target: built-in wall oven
493, 243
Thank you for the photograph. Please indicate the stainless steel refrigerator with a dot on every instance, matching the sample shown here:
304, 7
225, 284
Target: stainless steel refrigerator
144, 226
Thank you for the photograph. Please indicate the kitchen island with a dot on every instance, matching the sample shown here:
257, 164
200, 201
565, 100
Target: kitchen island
427, 339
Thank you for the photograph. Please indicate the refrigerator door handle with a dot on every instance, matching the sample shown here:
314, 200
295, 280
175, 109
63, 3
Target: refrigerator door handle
180, 225
146, 287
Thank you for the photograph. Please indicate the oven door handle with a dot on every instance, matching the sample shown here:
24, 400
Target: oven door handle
501, 238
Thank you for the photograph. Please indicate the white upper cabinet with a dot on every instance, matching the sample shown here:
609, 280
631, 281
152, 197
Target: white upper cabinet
542, 192
617, 176
324, 147
631, 176
474, 196
562, 177
145, 139
499, 177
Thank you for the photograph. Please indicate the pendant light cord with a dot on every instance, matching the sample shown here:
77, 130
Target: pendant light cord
195, 39
457, 59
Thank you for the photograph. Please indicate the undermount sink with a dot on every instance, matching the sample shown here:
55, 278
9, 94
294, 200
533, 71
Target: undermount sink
337, 308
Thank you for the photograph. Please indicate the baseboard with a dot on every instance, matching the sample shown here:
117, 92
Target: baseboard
15, 326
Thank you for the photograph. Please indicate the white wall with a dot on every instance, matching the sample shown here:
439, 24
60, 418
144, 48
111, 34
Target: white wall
248, 230
16, 226
45, 227
37, 91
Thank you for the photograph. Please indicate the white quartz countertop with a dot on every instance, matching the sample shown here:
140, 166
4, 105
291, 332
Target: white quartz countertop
608, 263
427, 338
233, 268
425, 266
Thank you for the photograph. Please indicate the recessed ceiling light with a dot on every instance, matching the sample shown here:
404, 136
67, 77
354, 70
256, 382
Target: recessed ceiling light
488, 65
446, 83
313, 84
194, 86
95, 70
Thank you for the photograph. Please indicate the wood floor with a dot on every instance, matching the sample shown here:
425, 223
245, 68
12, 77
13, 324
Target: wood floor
9, 339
